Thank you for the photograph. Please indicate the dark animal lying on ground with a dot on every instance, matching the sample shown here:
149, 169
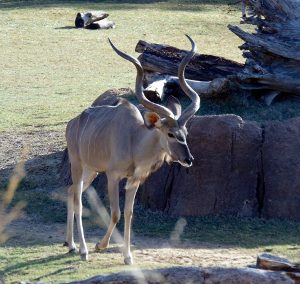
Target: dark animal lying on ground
93, 20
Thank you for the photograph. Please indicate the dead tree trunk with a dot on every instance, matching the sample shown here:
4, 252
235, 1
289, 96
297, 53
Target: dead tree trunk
272, 53
273, 50
275, 263
165, 59
160, 85
206, 73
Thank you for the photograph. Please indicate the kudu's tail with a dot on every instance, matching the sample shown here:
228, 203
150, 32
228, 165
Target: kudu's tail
65, 169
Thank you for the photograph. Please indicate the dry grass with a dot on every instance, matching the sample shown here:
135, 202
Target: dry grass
9, 214
49, 73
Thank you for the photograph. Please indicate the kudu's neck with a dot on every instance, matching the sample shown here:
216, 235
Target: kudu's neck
148, 146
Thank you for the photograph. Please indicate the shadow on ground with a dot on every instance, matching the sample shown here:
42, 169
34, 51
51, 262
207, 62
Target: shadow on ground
39, 188
66, 28
45, 194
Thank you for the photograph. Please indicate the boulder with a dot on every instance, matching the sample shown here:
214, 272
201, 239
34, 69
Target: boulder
177, 275
240, 168
223, 178
281, 168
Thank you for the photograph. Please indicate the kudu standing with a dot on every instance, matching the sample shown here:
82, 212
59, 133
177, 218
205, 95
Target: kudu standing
118, 140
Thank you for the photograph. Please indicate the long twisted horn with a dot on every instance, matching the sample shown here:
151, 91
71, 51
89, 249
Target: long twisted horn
195, 104
163, 111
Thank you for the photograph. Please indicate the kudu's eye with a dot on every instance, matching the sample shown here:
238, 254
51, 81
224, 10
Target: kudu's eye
171, 135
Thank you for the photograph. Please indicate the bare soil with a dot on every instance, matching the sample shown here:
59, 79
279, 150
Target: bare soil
154, 251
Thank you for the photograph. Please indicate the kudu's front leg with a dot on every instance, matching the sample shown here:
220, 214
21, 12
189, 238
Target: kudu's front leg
131, 190
113, 194
83, 179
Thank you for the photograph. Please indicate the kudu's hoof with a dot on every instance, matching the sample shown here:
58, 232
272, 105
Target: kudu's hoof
84, 256
100, 247
72, 251
128, 260
97, 247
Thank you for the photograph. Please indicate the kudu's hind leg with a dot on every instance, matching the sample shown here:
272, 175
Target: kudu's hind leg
82, 179
131, 190
70, 221
113, 194
86, 179
76, 176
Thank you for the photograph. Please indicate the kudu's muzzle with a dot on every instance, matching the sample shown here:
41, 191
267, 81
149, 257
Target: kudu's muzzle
187, 160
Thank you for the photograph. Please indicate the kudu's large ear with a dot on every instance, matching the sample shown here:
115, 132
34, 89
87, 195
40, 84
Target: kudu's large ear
174, 105
152, 119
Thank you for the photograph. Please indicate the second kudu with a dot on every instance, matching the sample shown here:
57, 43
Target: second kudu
118, 140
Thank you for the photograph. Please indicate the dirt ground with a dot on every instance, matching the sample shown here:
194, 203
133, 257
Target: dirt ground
43, 158
156, 251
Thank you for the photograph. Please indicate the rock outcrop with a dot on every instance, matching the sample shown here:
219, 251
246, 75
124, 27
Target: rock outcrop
223, 178
281, 168
178, 275
241, 168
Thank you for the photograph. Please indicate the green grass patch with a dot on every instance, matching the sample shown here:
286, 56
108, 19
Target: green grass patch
36, 259
37, 253
50, 263
268, 235
50, 71
276, 236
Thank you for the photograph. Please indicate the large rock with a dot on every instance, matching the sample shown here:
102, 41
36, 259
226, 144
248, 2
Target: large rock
193, 275
240, 168
224, 177
281, 168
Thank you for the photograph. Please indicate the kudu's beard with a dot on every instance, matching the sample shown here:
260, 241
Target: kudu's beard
186, 165
169, 159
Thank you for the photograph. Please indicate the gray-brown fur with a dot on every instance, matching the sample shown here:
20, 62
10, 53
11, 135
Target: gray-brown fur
115, 137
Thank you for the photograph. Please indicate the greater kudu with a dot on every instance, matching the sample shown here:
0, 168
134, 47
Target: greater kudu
118, 140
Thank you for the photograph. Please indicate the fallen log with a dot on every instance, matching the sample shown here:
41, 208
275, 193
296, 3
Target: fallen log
272, 52
93, 20
165, 59
271, 262
158, 86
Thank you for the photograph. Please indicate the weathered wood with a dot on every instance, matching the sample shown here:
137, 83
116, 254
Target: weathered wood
159, 85
263, 43
94, 16
275, 82
275, 263
165, 59
93, 20
272, 53
295, 276
273, 50
155, 91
